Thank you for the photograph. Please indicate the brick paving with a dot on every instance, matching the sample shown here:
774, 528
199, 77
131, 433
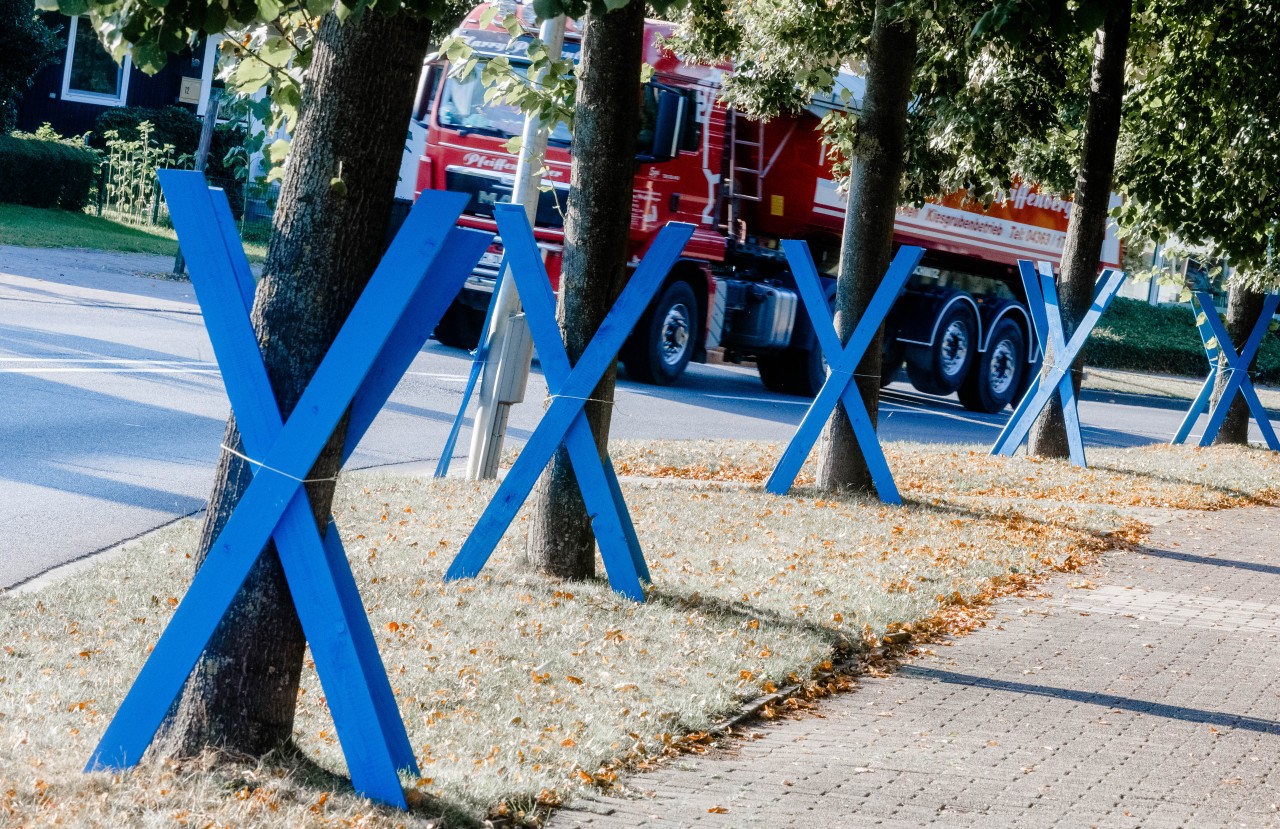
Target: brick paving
1150, 700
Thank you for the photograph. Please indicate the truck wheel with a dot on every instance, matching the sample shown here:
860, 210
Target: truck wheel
460, 327
941, 368
663, 340
793, 371
997, 374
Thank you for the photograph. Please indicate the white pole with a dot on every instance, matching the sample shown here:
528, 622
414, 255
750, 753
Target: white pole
506, 373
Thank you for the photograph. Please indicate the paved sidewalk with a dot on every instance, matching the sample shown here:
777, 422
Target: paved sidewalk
1150, 700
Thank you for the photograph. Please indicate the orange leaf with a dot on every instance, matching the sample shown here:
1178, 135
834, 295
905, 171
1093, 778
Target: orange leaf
575, 680
718, 810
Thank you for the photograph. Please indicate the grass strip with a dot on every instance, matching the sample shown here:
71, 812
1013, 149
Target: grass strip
519, 690
53, 228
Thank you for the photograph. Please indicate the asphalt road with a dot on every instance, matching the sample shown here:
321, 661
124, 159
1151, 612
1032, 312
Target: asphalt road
112, 409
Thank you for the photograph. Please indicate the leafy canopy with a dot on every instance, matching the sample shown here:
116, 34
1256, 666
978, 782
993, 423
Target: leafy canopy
27, 45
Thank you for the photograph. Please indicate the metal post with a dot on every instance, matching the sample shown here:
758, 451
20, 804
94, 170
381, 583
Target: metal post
509, 344
1157, 266
202, 159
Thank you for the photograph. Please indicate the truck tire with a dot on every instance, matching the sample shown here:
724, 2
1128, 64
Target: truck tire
941, 368
997, 373
663, 339
798, 371
460, 327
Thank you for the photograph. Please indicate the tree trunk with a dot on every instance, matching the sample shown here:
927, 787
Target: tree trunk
596, 229
1243, 309
1083, 249
875, 183
324, 247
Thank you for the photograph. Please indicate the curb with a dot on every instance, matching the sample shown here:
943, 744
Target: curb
75, 566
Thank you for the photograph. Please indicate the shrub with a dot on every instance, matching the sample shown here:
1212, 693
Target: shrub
179, 127
1137, 336
43, 173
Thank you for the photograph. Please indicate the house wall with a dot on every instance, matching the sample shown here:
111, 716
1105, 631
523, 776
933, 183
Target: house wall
44, 103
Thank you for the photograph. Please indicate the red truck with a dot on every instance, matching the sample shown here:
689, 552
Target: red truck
960, 326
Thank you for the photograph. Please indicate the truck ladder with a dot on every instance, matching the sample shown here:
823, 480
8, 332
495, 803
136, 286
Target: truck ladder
747, 158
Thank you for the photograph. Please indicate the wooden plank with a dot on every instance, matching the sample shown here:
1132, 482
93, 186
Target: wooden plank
569, 399
843, 361
364, 711
1042, 298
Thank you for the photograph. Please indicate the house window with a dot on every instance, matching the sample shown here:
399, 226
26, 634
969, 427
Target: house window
90, 75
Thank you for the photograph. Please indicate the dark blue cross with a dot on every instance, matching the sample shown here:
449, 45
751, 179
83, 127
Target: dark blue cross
396, 312
1046, 316
842, 360
1217, 342
564, 421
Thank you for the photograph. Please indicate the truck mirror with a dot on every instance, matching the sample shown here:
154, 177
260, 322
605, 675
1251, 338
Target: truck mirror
667, 120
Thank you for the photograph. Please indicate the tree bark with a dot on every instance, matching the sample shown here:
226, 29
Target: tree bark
1243, 309
324, 247
875, 185
1082, 251
597, 229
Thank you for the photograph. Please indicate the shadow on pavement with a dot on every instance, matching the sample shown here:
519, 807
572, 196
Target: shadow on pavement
1138, 706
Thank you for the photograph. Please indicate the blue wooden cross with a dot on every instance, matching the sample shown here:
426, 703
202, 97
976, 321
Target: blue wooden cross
565, 421
384, 331
1046, 316
1217, 343
842, 360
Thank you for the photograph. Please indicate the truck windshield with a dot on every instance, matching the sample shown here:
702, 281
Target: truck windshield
462, 107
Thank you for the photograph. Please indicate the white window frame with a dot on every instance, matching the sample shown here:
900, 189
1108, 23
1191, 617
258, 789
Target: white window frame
80, 96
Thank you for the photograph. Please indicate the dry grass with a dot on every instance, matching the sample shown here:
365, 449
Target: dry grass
517, 689
1151, 476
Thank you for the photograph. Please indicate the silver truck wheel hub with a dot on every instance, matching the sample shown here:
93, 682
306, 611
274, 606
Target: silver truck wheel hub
1000, 375
955, 347
675, 335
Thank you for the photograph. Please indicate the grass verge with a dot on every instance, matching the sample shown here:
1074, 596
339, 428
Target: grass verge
519, 690
40, 228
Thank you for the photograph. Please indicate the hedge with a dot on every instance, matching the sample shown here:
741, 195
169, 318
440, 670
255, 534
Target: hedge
1137, 336
41, 173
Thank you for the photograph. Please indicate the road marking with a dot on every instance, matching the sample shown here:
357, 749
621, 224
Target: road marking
433, 375
756, 399
62, 359
105, 370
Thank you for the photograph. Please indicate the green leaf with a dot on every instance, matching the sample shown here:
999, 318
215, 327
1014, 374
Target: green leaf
513, 144
338, 186
250, 75
278, 150
215, 18
269, 9
546, 9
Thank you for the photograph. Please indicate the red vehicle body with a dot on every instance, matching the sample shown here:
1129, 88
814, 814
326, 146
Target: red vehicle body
745, 185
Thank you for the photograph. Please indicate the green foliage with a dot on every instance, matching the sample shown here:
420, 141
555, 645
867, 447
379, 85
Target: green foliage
132, 189
178, 127
1136, 336
27, 45
44, 173
1200, 158
546, 87
270, 42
